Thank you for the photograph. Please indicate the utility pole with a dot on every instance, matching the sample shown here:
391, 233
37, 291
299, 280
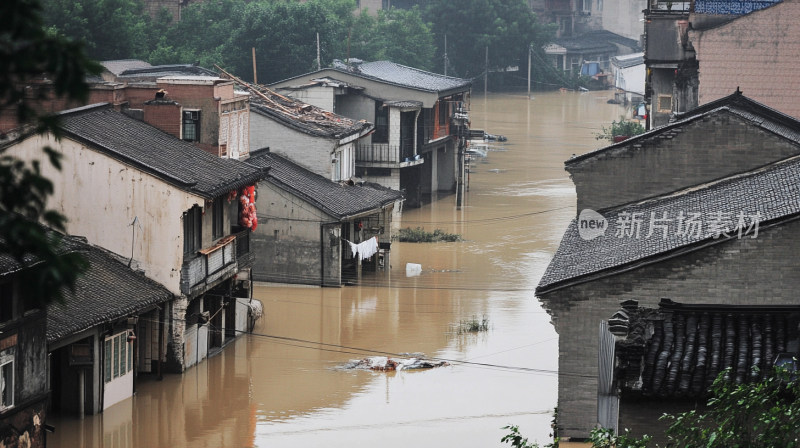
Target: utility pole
445, 55
255, 75
486, 74
529, 72
319, 63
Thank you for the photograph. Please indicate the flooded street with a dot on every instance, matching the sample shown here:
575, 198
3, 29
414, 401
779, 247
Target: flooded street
280, 387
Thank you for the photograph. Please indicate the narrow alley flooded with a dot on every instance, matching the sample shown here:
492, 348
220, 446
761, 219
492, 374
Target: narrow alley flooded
282, 386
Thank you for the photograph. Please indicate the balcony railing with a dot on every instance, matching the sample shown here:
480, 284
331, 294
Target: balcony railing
244, 257
378, 153
663, 5
209, 265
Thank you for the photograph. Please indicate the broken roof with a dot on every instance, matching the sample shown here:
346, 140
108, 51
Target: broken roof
758, 114
171, 159
108, 291
338, 200
628, 60
773, 192
159, 71
678, 350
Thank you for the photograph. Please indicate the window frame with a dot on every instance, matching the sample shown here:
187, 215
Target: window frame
192, 230
661, 109
381, 134
443, 109
218, 218
7, 364
118, 356
190, 123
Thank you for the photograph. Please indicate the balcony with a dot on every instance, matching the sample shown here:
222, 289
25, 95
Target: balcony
209, 266
383, 155
244, 257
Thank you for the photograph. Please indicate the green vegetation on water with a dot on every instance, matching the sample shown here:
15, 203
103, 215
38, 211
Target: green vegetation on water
420, 235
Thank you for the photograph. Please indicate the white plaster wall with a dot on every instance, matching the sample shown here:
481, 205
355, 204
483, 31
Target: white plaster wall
313, 153
117, 390
196, 345
100, 197
394, 128
242, 311
346, 154
624, 17
319, 96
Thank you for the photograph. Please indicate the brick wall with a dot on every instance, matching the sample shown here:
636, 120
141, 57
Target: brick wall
761, 271
706, 149
165, 116
757, 53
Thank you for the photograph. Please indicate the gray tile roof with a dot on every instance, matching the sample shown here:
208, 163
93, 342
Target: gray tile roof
10, 265
773, 191
758, 114
630, 60
173, 160
118, 66
678, 350
154, 72
108, 291
392, 73
601, 40
338, 200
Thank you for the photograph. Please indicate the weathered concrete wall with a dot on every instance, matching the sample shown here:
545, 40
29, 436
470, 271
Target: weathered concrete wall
759, 271
706, 149
101, 196
757, 53
312, 153
356, 107
624, 17
289, 243
320, 96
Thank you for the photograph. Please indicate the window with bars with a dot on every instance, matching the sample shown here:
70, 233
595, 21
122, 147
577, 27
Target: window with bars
218, 213
192, 230
381, 134
7, 383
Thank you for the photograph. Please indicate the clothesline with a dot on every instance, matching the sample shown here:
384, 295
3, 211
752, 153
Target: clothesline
364, 249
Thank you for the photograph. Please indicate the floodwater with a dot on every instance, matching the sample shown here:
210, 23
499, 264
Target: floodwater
280, 387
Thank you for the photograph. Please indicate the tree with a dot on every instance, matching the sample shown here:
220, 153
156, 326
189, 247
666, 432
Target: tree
621, 128
109, 29
34, 65
397, 35
506, 27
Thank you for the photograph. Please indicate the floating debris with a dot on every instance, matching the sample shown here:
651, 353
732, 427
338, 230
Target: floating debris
386, 364
497, 171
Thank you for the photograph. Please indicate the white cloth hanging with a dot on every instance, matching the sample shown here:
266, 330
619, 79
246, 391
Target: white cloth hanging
364, 249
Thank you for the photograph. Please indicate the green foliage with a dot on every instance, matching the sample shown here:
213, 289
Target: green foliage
419, 235
515, 439
605, 438
473, 325
507, 27
619, 128
397, 35
29, 54
109, 29
764, 413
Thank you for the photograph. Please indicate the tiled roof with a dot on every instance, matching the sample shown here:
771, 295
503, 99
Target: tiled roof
9, 265
678, 350
171, 159
601, 40
338, 200
773, 191
736, 103
402, 104
390, 72
108, 291
630, 60
159, 71
120, 65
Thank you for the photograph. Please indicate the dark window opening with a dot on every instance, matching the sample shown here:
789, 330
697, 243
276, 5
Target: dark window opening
381, 134
191, 125
6, 302
442, 112
192, 230
218, 213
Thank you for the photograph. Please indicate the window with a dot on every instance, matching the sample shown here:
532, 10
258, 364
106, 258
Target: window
665, 103
442, 112
118, 356
586, 5
192, 230
191, 125
218, 213
6, 302
381, 134
7, 383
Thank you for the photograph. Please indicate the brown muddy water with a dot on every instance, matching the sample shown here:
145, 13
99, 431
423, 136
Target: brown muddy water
263, 391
